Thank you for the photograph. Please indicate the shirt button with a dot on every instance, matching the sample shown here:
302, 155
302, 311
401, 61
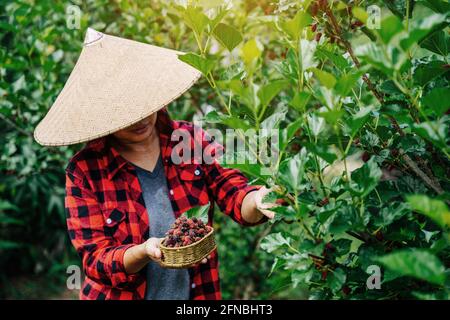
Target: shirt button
193, 286
197, 172
108, 221
171, 192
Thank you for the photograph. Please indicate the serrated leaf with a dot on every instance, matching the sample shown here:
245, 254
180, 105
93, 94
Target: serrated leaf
438, 100
366, 178
420, 28
418, 263
292, 170
347, 82
204, 65
336, 279
435, 209
323, 151
325, 78
433, 131
358, 120
274, 241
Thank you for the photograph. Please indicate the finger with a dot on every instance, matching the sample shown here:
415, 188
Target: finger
268, 205
209, 256
204, 260
269, 214
155, 253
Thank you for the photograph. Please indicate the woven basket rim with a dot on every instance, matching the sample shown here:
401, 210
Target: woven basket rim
189, 245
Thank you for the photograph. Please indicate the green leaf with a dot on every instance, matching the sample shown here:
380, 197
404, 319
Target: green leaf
6, 205
437, 5
374, 55
316, 124
336, 279
300, 100
7, 245
434, 209
269, 91
417, 263
438, 100
347, 82
221, 13
390, 26
323, 151
360, 14
254, 170
195, 19
424, 73
19, 84
274, 242
204, 65
200, 212
293, 127
433, 131
366, 178
272, 122
325, 78
227, 35
420, 28
293, 27
332, 116
292, 170
356, 121
251, 51
230, 121
289, 132
343, 220
337, 59
391, 213
438, 42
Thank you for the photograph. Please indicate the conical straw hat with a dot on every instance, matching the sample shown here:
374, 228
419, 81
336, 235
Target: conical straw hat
115, 83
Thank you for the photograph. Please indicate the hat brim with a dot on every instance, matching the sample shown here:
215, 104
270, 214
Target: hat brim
115, 83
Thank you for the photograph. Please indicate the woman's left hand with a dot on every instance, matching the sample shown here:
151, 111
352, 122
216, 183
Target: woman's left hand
206, 259
264, 207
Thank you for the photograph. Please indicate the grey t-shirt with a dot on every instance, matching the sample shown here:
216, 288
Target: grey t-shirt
162, 283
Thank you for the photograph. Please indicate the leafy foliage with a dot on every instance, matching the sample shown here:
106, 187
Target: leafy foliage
363, 119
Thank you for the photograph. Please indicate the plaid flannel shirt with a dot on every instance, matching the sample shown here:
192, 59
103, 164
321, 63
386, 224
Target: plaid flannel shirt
106, 212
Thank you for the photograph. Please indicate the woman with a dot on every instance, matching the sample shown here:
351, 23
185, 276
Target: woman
123, 189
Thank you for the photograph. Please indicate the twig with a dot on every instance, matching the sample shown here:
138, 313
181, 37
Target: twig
429, 181
14, 125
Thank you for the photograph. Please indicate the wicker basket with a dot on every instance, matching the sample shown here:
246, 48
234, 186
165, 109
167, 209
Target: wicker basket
187, 256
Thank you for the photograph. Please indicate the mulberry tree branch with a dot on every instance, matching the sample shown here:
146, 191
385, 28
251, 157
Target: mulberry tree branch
431, 181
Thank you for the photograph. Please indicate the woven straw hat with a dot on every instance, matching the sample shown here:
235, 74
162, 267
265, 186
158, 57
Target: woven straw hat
115, 83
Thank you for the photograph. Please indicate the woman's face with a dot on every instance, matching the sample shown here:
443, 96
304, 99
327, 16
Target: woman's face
137, 132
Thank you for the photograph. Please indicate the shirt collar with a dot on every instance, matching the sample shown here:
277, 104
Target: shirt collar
113, 162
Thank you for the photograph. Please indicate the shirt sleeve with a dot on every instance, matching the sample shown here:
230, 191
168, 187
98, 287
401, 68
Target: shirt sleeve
102, 257
227, 185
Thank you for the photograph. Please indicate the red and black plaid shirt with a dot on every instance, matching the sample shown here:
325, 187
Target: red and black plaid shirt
106, 212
